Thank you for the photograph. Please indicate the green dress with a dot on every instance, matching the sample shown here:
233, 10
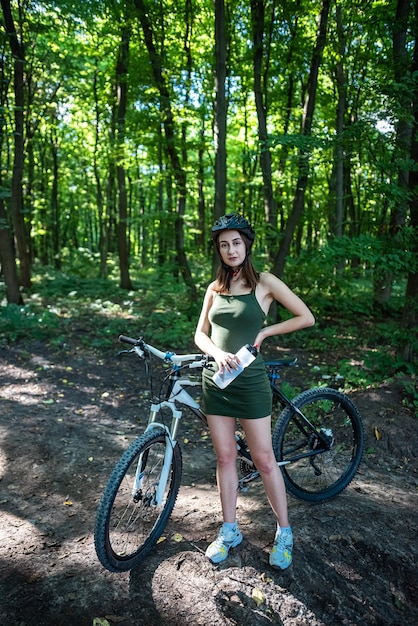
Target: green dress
235, 321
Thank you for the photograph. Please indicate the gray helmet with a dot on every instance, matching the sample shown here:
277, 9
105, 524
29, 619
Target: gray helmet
233, 221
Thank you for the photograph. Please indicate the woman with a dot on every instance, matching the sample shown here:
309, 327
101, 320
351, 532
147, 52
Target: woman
233, 314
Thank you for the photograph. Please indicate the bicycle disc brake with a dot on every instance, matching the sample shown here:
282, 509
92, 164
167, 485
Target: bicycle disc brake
322, 444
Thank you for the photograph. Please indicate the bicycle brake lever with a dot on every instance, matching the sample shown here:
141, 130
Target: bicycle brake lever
119, 354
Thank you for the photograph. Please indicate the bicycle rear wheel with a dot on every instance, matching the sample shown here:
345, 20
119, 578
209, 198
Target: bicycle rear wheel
319, 468
128, 522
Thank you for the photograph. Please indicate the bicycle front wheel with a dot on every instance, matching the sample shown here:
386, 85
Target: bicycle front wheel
320, 456
129, 521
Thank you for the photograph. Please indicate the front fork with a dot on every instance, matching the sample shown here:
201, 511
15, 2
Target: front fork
170, 442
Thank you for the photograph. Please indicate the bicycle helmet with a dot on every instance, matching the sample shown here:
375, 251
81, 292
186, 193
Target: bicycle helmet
233, 221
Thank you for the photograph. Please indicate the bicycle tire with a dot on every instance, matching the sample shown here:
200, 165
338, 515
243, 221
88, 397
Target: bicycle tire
127, 528
322, 476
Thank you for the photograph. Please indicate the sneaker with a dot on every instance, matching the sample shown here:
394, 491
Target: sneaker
218, 550
281, 554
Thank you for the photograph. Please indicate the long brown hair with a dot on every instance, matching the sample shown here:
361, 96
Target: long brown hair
249, 273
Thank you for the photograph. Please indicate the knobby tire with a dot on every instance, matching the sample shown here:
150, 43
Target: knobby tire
320, 473
126, 530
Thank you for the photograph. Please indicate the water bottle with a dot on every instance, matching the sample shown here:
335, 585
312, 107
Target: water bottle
246, 355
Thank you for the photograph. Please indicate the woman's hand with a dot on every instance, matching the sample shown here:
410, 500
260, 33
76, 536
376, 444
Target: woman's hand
226, 361
259, 340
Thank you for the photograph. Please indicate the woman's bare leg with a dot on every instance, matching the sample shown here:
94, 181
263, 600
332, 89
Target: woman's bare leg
222, 431
258, 435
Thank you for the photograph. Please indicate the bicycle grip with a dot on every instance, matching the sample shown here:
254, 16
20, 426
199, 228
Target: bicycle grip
125, 339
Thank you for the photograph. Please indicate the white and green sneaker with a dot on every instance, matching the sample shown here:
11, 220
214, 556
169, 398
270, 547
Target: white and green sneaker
281, 554
218, 550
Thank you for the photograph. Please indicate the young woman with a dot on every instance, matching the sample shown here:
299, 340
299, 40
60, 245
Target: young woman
233, 314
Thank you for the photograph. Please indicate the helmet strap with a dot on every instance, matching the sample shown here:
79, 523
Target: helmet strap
232, 272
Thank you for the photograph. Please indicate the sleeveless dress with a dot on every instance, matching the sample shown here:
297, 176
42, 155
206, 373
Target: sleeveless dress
235, 321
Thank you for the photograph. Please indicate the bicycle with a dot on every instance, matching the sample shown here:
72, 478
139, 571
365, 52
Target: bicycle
318, 440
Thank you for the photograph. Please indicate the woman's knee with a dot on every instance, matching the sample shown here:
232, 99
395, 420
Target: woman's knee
226, 455
265, 462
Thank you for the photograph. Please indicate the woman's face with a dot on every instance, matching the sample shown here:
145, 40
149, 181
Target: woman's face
232, 248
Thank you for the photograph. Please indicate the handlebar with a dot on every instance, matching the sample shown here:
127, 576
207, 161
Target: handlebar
141, 347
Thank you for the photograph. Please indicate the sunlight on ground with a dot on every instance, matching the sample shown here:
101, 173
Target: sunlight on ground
20, 529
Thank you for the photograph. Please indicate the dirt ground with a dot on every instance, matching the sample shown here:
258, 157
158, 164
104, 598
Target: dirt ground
66, 417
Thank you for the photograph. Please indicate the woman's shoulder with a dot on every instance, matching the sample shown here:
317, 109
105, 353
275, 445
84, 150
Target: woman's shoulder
270, 283
212, 289
267, 278
213, 286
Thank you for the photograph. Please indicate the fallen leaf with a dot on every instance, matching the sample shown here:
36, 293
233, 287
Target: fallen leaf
100, 621
265, 578
258, 596
68, 503
377, 433
177, 537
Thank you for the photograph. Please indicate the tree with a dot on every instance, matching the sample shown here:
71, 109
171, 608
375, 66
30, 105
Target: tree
221, 108
410, 312
122, 91
303, 162
260, 94
170, 145
16, 200
8, 261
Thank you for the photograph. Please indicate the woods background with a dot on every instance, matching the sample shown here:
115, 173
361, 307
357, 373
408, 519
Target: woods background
128, 126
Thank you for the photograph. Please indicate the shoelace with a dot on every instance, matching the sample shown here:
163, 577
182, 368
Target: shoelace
280, 541
224, 538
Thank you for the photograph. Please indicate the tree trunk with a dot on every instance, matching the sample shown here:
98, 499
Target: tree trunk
99, 192
260, 78
55, 221
122, 95
284, 150
8, 261
341, 107
221, 109
18, 53
410, 312
303, 164
382, 278
170, 145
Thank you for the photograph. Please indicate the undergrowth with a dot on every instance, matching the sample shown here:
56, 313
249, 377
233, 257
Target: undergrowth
350, 342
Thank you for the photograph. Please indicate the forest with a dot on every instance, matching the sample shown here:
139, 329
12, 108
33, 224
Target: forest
128, 126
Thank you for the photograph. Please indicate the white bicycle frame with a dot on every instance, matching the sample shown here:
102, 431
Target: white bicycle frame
178, 394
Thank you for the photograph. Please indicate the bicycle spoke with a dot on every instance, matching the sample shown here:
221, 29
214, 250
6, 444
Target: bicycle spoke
321, 458
129, 522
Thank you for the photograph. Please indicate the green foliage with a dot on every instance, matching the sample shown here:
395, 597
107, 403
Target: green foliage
26, 322
71, 60
393, 253
410, 392
96, 311
330, 281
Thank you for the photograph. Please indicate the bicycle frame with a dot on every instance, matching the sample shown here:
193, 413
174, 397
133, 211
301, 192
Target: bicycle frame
176, 392
303, 421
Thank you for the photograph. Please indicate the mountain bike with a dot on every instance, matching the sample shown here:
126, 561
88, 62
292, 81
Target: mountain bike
318, 441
